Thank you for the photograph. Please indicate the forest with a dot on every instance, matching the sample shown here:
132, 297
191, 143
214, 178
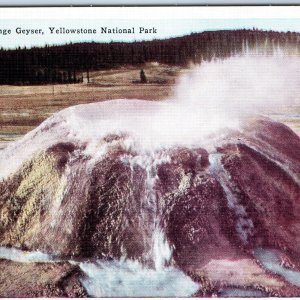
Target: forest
67, 63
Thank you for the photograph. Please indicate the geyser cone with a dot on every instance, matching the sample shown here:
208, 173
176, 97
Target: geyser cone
108, 202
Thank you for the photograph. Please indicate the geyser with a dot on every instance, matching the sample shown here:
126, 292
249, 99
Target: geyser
162, 187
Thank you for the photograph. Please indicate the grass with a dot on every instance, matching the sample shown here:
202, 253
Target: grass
22, 108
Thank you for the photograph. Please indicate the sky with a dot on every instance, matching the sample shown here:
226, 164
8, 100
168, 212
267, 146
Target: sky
165, 28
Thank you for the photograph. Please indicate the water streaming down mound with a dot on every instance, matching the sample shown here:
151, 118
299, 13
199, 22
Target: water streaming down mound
128, 278
244, 225
160, 251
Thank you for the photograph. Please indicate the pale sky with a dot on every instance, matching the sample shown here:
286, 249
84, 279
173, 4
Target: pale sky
165, 28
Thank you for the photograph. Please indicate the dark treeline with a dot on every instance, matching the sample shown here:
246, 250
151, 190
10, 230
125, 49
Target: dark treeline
66, 63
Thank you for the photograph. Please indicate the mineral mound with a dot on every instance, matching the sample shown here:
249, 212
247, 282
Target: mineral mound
77, 188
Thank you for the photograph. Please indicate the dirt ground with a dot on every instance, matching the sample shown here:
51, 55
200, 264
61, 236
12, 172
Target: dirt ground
22, 108
30, 280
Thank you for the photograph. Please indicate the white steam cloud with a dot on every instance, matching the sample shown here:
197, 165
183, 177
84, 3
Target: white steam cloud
242, 83
217, 95
213, 96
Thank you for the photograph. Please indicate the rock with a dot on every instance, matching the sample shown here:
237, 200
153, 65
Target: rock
244, 274
211, 205
39, 280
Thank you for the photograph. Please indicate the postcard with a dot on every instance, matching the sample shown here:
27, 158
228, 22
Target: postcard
150, 152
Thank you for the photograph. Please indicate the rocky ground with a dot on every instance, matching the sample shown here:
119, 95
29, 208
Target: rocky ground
28, 280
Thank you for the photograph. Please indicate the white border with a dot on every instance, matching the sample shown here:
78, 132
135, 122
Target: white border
151, 13
143, 2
